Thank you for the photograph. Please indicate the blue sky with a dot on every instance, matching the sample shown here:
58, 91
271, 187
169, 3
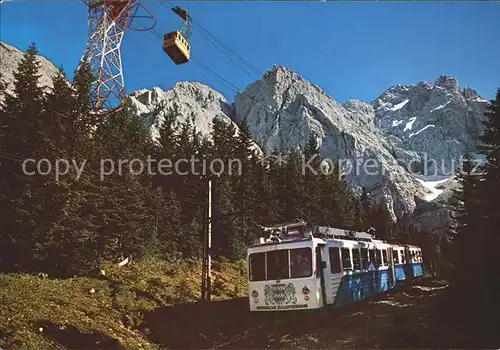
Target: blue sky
350, 49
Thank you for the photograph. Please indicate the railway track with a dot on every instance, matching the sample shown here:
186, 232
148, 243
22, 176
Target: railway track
229, 324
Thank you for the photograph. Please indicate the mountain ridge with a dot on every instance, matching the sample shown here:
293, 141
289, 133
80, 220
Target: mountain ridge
399, 127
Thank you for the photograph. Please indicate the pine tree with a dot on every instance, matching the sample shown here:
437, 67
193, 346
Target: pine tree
478, 221
247, 196
125, 209
20, 139
382, 221
311, 181
365, 215
56, 123
77, 249
488, 215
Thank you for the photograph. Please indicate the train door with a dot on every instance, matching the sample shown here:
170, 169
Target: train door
333, 273
392, 267
320, 272
409, 263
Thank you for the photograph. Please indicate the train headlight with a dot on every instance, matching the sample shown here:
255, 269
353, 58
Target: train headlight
255, 294
305, 290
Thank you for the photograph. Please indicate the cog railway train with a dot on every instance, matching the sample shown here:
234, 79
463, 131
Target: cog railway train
299, 268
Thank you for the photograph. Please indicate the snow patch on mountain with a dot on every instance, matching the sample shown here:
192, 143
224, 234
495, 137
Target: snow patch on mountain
433, 187
440, 106
418, 132
399, 105
409, 125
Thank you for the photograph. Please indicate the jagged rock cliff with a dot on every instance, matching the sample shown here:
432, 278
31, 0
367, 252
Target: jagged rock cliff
283, 110
432, 124
429, 126
194, 100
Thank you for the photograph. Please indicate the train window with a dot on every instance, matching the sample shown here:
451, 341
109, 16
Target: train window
395, 257
386, 260
301, 262
371, 255
378, 258
346, 258
257, 267
277, 264
356, 258
364, 258
335, 266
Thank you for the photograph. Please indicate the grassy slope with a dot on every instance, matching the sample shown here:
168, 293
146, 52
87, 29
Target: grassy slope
105, 311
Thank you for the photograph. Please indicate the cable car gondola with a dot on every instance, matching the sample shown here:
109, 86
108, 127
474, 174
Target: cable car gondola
175, 44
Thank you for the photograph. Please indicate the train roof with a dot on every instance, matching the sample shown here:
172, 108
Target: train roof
337, 233
299, 232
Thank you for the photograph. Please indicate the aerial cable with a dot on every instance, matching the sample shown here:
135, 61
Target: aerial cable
207, 33
231, 86
230, 57
207, 69
221, 47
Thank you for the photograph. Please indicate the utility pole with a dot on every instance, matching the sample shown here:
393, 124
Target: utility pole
206, 278
204, 268
209, 245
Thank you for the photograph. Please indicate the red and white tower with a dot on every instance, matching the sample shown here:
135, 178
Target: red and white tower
108, 21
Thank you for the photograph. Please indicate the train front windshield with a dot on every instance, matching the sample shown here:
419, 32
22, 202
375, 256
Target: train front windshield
280, 264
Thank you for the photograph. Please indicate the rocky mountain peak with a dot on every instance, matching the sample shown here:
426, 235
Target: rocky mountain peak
194, 100
448, 82
471, 94
277, 69
431, 127
357, 105
424, 85
285, 111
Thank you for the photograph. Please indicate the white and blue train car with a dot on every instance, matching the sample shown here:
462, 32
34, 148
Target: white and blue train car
310, 269
400, 268
408, 262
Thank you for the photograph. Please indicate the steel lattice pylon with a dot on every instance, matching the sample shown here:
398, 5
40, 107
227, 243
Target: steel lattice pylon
108, 21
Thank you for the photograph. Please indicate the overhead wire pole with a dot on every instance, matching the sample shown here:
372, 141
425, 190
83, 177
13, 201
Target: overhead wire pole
209, 242
206, 281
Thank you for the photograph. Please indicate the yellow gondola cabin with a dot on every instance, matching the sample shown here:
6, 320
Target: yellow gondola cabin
176, 47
